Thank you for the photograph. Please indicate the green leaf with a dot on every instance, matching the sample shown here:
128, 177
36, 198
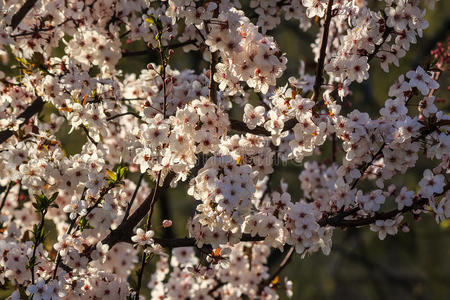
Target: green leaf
122, 172
53, 197
111, 175
151, 19
84, 224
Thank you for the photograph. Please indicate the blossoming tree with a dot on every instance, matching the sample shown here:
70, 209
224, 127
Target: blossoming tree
168, 126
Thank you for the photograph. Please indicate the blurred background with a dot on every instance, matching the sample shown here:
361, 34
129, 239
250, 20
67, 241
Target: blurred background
414, 265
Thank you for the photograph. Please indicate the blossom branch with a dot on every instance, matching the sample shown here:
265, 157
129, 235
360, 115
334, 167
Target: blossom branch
22, 12
38, 239
212, 84
86, 131
144, 255
277, 272
173, 46
386, 34
130, 204
323, 48
335, 221
124, 231
30, 111
339, 220
259, 130
164, 62
6, 190
123, 114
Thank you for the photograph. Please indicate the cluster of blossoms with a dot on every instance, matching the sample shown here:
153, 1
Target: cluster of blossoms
166, 125
359, 33
246, 54
269, 13
242, 270
172, 144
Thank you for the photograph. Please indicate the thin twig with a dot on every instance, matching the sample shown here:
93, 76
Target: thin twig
148, 51
88, 135
130, 204
367, 165
323, 48
277, 272
144, 256
72, 224
164, 61
386, 34
37, 241
124, 114
7, 189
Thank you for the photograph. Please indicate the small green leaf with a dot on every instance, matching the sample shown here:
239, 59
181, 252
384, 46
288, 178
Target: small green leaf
84, 224
151, 19
122, 172
111, 175
53, 197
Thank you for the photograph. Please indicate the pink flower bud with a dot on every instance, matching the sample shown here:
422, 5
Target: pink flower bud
405, 227
167, 223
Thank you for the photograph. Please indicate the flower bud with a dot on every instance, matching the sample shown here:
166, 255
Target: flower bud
167, 223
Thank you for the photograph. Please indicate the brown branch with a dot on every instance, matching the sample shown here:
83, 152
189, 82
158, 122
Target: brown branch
123, 114
277, 272
212, 84
130, 204
124, 231
148, 51
190, 242
242, 127
6, 190
335, 221
30, 111
364, 167
323, 49
36, 31
259, 130
386, 33
147, 228
21, 13
86, 131
218, 285
340, 222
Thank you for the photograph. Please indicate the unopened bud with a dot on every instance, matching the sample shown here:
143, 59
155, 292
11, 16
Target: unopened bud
405, 227
150, 67
167, 223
